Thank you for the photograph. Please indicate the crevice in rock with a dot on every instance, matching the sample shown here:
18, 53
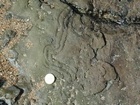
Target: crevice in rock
19, 95
94, 52
117, 75
102, 89
104, 38
75, 9
100, 16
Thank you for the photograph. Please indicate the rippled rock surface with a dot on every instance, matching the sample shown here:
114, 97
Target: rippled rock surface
92, 47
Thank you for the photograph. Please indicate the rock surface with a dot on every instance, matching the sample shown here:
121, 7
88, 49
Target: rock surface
91, 47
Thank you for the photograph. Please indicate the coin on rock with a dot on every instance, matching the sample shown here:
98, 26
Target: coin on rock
49, 78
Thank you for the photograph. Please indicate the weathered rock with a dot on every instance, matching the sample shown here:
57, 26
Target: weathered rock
92, 48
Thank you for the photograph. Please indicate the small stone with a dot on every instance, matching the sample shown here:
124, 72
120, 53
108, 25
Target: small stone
24, 55
124, 88
51, 6
103, 98
49, 12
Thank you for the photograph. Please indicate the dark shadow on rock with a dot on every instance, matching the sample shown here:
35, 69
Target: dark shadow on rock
2, 102
2, 81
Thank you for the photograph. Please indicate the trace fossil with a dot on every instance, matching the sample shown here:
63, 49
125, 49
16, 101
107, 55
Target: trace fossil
66, 21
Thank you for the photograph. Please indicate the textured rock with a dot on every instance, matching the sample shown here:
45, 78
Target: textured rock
92, 48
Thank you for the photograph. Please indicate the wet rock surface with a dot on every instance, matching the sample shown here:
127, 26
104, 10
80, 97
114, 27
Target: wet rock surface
91, 47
